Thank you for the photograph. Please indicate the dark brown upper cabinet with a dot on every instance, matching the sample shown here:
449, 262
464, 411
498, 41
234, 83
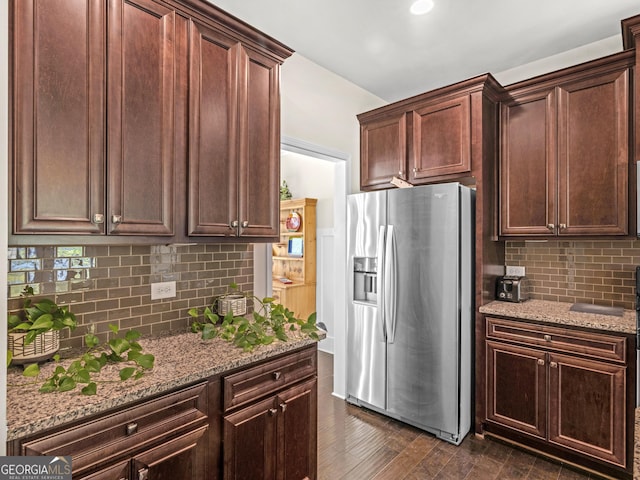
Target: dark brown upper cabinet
427, 138
234, 141
136, 119
564, 160
89, 159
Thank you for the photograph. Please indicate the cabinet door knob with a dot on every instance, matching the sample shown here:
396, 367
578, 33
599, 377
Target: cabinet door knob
277, 375
132, 428
283, 406
547, 338
562, 226
551, 226
98, 218
415, 170
400, 173
540, 361
245, 223
143, 474
553, 365
234, 224
273, 411
116, 219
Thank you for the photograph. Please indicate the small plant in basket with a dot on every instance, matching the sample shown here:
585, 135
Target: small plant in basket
34, 332
268, 322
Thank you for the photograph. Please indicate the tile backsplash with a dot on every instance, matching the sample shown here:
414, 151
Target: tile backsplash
111, 284
599, 271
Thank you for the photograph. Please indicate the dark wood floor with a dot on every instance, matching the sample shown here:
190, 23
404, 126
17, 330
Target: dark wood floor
357, 444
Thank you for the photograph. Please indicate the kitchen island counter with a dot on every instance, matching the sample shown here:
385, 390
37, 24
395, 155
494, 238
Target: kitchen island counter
180, 360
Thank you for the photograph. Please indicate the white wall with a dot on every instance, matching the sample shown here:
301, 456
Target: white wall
311, 178
320, 107
578, 55
4, 210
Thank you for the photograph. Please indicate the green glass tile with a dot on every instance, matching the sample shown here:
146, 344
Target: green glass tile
70, 252
16, 277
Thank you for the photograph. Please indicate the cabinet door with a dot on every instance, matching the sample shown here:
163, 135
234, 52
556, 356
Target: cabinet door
528, 165
593, 155
120, 471
141, 92
250, 442
297, 432
181, 458
57, 110
259, 145
587, 407
517, 388
213, 132
383, 151
441, 140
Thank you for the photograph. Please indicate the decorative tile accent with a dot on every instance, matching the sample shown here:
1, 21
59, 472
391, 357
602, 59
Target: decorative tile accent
111, 284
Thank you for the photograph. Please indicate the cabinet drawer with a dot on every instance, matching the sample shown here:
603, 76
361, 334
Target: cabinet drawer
112, 437
253, 383
596, 345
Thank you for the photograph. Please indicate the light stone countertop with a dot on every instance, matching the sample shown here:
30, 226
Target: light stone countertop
558, 313
180, 360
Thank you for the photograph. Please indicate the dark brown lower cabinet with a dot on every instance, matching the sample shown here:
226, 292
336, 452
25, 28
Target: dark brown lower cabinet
256, 422
273, 434
272, 439
560, 388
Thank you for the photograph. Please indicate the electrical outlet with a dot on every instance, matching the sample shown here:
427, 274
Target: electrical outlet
163, 290
515, 271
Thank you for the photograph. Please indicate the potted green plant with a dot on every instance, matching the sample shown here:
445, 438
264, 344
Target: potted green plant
34, 333
268, 322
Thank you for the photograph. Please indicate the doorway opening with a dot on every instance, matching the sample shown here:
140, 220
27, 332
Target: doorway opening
313, 171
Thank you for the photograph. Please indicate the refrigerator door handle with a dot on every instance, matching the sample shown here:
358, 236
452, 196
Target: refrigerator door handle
390, 285
382, 235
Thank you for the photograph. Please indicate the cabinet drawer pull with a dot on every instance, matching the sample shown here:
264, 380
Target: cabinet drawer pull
116, 219
547, 338
551, 226
143, 474
132, 428
283, 406
540, 361
245, 223
98, 218
553, 365
233, 224
277, 375
273, 411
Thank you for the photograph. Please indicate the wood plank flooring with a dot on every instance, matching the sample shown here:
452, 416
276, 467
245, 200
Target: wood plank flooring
357, 444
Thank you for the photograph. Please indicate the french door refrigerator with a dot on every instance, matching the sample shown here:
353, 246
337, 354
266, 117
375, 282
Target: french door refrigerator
410, 305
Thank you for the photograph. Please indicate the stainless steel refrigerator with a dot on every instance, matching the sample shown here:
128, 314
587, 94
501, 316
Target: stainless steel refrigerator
410, 305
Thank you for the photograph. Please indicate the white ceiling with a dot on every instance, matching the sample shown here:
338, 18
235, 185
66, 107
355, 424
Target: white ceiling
379, 46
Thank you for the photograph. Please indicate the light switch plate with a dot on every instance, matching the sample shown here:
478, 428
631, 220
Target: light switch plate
162, 290
515, 271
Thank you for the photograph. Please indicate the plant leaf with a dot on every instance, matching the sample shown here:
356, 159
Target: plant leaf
45, 321
67, 384
9, 357
119, 345
90, 389
32, 370
82, 376
132, 336
126, 373
114, 328
91, 340
93, 365
146, 361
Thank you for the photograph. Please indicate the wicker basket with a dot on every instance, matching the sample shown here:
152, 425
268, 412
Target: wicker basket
232, 303
42, 348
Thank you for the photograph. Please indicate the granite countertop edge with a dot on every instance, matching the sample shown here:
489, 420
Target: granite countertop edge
197, 360
559, 313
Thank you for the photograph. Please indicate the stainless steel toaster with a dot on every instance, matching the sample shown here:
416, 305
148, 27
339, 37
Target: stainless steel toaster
512, 289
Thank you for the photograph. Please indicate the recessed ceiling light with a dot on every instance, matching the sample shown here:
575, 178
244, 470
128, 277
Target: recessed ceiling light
420, 7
